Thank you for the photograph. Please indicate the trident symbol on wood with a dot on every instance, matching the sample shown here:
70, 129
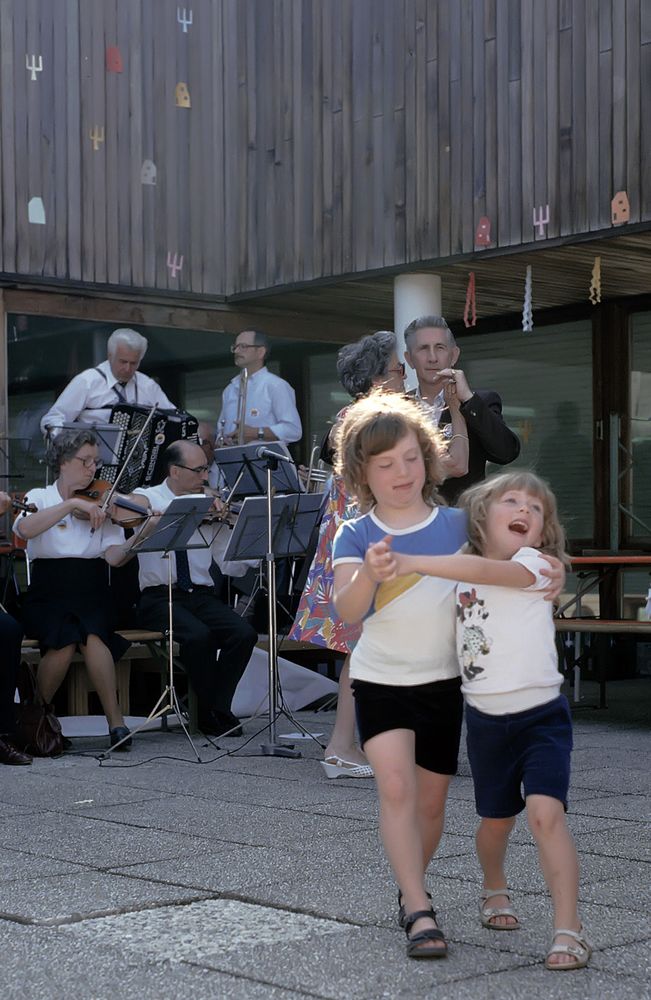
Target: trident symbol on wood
34, 67
184, 19
97, 136
175, 263
541, 221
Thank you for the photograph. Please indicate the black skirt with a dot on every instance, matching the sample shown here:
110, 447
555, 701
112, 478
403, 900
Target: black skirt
68, 600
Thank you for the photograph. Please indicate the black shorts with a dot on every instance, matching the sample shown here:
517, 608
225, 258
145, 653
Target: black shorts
432, 711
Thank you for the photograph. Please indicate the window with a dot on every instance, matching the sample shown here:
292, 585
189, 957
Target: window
639, 526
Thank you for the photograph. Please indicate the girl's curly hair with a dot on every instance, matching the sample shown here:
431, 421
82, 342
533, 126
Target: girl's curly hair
374, 425
478, 499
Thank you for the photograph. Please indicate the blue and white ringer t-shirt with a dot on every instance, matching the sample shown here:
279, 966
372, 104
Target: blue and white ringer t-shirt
408, 634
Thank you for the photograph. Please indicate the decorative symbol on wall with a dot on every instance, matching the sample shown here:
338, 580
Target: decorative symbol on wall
471, 304
183, 96
36, 211
174, 263
483, 234
184, 20
97, 136
620, 210
34, 67
113, 59
542, 220
595, 284
527, 311
148, 172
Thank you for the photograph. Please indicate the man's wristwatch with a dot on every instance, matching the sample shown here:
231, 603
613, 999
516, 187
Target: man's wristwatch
260, 433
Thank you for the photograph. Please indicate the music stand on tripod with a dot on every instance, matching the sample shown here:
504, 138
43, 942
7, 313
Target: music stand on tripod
177, 525
266, 527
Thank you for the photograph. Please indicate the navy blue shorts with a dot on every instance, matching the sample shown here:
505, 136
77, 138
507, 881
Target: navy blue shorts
433, 712
512, 756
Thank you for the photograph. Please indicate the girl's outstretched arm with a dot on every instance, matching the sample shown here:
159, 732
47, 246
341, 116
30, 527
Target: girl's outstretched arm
467, 568
355, 584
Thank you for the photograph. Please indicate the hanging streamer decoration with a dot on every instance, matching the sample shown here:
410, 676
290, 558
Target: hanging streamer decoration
595, 284
470, 312
527, 311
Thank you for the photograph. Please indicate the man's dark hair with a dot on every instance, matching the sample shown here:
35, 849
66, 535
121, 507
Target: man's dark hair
173, 455
428, 323
261, 339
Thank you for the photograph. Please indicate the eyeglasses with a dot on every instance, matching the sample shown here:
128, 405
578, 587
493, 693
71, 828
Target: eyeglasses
241, 347
197, 469
88, 463
400, 370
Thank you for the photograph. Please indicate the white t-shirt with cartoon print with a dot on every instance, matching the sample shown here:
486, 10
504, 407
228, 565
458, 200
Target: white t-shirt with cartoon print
506, 642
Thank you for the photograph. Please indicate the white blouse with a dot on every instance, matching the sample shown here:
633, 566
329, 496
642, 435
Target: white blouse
70, 537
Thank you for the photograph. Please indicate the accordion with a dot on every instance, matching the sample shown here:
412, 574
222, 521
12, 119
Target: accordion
145, 466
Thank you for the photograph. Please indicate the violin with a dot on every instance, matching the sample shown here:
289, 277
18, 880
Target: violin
121, 509
27, 508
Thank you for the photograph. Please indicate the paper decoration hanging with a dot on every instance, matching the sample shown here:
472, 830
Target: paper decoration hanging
148, 172
113, 59
175, 263
470, 312
620, 210
34, 67
183, 19
36, 211
527, 312
595, 284
483, 233
541, 220
183, 96
97, 136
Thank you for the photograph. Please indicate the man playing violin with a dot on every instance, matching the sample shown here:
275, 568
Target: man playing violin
215, 643
71, 541
91, 394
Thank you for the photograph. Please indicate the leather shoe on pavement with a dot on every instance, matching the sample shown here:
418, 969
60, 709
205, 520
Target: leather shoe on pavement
10, 755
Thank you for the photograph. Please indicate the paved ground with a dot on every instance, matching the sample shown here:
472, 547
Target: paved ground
255, 877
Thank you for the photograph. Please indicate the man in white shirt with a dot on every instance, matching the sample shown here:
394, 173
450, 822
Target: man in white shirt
203, 624
90, 396
270, 413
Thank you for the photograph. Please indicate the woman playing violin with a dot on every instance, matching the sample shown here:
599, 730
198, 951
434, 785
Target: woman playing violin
68, 602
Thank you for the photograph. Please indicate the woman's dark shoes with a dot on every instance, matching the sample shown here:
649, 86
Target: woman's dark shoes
214, 723
117, 733
428, 943
10, 755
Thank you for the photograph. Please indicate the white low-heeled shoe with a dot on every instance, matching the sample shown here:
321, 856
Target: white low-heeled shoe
336, 767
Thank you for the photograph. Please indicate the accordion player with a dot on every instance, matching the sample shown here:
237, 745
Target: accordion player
145, 466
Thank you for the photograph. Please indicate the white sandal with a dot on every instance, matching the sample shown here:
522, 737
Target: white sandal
487, 913
580, 951
336, 767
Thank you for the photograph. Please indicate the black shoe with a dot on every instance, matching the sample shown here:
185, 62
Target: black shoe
10, 755
118, 733
214, 723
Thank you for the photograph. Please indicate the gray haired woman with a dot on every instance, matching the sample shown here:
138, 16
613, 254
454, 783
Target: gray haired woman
70, 541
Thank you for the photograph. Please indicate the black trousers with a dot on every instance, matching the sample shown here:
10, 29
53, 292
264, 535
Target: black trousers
202, 625
11, 637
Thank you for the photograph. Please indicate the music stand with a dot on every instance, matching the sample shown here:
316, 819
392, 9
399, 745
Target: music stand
245, 472
177, 524
107, 438
266, 525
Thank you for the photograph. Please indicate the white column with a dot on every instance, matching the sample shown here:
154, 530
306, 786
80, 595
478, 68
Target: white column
414, 295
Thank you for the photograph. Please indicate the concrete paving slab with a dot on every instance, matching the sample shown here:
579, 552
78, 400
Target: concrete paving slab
634, 961
609, 779
535, 982
20, 866
233, 822
630, 805
629, 840
93, 842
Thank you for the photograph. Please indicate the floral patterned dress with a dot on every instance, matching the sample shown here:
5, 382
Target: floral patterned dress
316, 620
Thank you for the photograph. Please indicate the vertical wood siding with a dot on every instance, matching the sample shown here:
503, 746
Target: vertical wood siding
324, 137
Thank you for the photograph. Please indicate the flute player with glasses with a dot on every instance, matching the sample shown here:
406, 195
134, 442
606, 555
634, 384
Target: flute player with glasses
256, 404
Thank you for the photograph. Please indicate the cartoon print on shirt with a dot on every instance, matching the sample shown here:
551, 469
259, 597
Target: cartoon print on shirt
474, 641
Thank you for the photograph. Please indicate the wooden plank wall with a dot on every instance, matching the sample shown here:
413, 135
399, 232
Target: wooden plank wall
324, 137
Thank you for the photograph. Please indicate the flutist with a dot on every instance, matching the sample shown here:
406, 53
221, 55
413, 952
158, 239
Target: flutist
258, 406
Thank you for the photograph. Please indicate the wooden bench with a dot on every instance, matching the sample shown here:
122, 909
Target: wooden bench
603, 627
148, 650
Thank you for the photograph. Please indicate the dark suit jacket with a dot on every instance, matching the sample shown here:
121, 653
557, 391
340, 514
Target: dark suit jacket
489, 439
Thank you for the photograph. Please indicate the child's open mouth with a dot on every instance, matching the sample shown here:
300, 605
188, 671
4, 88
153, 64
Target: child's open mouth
520, 527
